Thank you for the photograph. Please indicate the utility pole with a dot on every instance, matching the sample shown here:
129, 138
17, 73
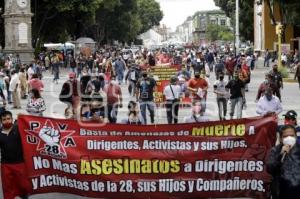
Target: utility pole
237, 27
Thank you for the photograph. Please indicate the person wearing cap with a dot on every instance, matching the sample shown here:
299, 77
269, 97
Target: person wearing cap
144, 94
198, 86
268, 104
172, 93
283, 164
290, 118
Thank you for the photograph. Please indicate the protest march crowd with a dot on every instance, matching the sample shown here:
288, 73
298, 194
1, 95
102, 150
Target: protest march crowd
93, 93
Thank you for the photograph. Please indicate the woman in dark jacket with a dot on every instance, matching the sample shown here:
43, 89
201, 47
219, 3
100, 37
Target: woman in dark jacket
284, 165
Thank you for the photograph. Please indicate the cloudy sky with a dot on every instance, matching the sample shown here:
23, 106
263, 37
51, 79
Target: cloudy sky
176, 11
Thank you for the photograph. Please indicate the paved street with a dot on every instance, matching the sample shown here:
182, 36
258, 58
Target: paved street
290, 98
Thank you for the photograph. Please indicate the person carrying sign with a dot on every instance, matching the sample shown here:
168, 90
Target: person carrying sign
15, 181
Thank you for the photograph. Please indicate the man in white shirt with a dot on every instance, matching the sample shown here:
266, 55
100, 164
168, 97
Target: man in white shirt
268, 104
13, 88
196, 115
222, 95
30, 72
172, 95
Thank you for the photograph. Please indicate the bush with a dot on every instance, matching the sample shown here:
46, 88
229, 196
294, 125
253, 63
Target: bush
284, 72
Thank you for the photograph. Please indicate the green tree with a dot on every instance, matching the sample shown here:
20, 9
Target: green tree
216, 32
149, 13
103, 20
245, 18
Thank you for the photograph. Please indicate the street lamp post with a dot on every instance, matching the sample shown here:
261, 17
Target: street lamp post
279, 33
237, 31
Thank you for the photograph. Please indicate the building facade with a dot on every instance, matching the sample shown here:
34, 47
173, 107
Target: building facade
202, 19
264, 30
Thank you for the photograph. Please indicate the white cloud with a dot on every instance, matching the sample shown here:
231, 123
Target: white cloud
176, 11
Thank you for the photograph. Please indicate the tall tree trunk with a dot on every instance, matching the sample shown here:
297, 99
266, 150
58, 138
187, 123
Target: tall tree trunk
271, 14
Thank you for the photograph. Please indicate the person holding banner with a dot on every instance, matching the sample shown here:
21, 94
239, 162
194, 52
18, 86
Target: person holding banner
290, 118
284, 165
15, 181
196, 114
172, 95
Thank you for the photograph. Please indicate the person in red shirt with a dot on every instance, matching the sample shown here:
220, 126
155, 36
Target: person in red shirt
198, 86
229, 65
264, 85
114, 99
35, 83
15, 181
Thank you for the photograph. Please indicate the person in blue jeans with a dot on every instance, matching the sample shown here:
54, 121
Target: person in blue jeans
144, 95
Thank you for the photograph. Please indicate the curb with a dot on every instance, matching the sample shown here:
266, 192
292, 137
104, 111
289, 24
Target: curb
289, 80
